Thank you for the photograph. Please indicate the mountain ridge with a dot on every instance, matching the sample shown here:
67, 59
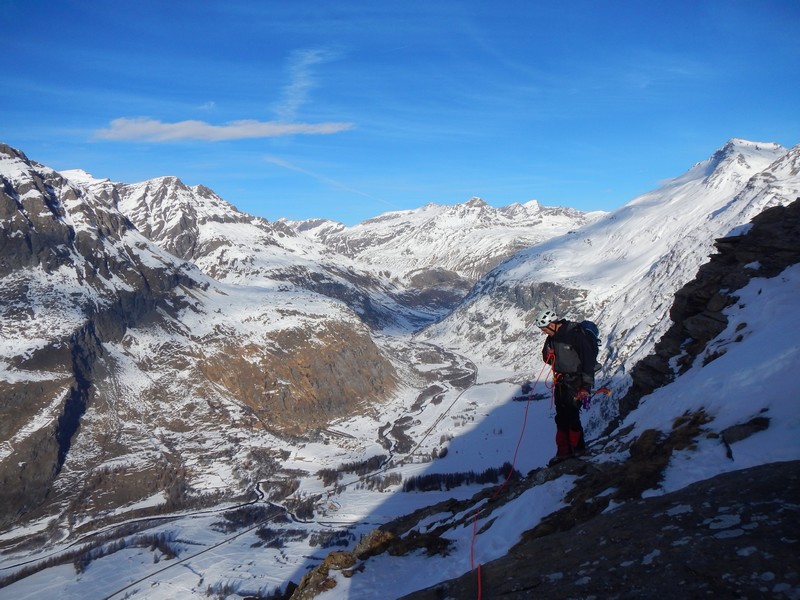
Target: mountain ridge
273, 355
637, 254
437, 234
104, 314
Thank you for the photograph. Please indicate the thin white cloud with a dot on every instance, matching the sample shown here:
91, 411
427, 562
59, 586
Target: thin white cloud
153, 130
285, 164
279, 162
301, 80
300, 67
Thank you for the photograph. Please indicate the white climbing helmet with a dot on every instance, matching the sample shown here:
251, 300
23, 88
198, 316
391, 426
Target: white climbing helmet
545, 318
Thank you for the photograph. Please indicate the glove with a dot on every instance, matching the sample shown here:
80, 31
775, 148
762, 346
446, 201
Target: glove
582, 399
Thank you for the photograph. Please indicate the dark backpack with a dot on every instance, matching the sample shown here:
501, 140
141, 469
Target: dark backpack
592, 329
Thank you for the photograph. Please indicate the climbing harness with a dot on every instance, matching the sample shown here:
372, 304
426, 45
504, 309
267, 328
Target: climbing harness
550, 361
588, 401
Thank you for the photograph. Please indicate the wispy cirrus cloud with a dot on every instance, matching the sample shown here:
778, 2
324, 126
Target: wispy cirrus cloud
333, 183
285, 164
302, 79
294, 95
153, 130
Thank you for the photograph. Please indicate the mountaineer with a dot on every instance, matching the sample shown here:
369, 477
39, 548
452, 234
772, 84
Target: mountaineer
571, 351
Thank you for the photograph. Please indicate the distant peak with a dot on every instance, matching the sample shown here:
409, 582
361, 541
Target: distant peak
738, 156
167, 180
475, 201
533, 205
740, 144
13, 152
81, 176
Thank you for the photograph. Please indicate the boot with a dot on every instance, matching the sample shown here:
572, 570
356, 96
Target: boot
563, 450
576, 443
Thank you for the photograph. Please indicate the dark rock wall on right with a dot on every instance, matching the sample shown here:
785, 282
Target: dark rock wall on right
770, 245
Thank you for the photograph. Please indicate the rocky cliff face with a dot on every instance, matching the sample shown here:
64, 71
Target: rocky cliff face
764, 249
51, 236
115, 347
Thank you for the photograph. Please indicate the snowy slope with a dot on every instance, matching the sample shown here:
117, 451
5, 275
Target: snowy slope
455, 405
466, 239
623, 269
213, 560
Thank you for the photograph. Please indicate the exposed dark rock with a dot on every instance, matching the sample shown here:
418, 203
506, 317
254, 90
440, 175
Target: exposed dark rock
121, 282
706, 540
697, 313
738, 433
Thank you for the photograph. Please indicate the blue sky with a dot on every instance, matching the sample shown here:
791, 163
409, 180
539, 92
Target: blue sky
345, 110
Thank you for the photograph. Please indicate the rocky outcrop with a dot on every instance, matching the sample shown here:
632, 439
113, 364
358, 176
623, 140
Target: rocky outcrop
320, 579
706, 540
170, 213
764, 250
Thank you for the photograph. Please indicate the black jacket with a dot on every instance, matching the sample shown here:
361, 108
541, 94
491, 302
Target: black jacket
575, 353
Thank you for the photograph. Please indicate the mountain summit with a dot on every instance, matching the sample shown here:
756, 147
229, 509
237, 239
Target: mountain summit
628, 262
441, 251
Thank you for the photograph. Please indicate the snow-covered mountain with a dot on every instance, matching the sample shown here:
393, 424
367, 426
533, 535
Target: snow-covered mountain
438, 252
211, 361
622, 269
120, 360
232, 247
465, 240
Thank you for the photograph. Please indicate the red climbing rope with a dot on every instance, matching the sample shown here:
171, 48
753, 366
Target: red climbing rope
548, 363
